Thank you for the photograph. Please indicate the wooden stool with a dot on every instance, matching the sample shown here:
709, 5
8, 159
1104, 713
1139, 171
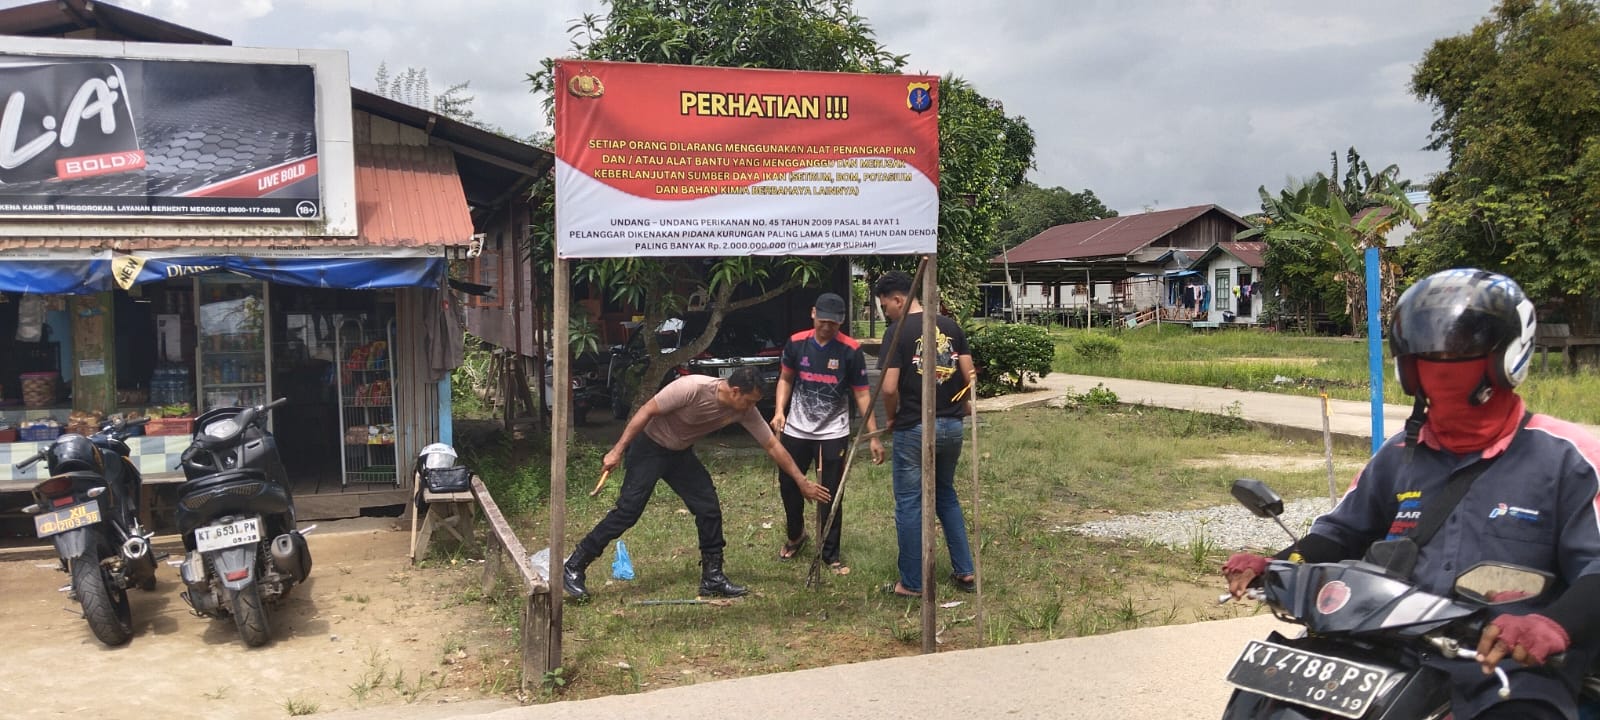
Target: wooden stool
454, 512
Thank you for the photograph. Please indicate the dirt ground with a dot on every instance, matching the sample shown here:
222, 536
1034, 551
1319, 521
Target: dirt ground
366, 630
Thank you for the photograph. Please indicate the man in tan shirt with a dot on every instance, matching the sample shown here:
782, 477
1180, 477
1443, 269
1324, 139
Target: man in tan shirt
659, 443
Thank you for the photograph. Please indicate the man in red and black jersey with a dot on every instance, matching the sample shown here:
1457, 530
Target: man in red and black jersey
822, 369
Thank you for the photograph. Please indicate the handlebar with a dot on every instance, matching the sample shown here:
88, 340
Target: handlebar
28, 463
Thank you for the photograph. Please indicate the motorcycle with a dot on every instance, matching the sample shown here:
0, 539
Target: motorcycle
1371, 634
243, 550
88, 507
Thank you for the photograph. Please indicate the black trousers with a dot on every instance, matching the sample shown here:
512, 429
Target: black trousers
647, 463
832, 471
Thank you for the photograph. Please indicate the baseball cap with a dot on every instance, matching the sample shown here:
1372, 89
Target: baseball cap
830, 307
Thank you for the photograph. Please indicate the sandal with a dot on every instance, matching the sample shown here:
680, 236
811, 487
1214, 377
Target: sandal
793, 547
965, 584
839, 568
894, 589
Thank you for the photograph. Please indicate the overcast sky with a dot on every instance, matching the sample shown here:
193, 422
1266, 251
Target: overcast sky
1158, 104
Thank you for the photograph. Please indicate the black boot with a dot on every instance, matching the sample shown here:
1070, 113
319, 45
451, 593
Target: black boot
712, 581
572, 574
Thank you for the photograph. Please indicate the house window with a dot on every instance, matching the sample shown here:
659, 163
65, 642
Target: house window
1222, 290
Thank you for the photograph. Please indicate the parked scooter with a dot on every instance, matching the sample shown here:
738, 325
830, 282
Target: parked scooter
1372, 636
88, 507
236, 514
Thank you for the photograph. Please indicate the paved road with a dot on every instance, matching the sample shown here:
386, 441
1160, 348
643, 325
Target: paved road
1173, 672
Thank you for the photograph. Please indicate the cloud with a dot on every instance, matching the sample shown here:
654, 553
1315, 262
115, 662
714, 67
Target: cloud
1163, 103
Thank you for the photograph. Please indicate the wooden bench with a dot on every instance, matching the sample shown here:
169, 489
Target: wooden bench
1559, 337
453, 512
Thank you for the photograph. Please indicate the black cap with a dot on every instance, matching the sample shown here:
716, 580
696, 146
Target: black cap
830, 307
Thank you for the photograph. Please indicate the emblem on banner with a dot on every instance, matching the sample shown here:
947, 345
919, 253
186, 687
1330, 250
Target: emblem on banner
125, 270
919, 97
586, 86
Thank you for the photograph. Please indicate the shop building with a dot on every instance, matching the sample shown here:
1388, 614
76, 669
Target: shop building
231, 226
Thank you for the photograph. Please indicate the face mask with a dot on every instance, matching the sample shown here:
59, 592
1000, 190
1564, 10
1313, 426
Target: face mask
1460, 424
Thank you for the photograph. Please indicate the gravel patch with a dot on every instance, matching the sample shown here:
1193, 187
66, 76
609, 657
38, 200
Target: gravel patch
1227, 527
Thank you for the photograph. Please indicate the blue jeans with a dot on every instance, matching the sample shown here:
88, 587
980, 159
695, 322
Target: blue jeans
908, 499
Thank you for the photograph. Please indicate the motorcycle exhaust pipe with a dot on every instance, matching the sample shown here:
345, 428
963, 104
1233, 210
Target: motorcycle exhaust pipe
135, 547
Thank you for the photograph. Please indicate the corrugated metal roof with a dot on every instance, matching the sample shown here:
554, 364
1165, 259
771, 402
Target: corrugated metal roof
1109, 237
406, 196
1249, 253
410, 195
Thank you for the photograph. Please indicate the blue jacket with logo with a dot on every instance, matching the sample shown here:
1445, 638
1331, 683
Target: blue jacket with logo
1537, 505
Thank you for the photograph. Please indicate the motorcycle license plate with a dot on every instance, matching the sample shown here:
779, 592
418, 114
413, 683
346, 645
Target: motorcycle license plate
218, 537
71, 518
1318, 681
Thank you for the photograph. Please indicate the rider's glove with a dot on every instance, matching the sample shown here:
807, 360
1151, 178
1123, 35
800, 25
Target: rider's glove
1244, 562
1540, 636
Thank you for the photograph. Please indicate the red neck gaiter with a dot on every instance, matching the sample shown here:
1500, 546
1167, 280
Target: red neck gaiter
1453, 421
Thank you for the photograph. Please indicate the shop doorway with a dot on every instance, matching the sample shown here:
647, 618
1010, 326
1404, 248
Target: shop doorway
330, 360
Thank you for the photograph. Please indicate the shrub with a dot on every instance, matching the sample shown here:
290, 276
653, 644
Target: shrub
1094, 346
1010, 356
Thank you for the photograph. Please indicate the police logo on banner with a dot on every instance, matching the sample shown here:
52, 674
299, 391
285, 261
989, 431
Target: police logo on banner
919, 97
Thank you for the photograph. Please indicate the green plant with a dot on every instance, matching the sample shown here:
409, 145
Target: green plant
1094, 346
296, 708
1098, 397
553, 680
1010, 355
1200, 548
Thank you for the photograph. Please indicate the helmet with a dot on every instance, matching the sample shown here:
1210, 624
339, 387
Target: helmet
1467, 313
437, 455
75, 453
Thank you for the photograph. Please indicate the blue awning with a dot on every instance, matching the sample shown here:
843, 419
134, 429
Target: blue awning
59, 276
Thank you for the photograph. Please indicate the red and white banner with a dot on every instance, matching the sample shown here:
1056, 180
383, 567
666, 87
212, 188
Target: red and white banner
670, 160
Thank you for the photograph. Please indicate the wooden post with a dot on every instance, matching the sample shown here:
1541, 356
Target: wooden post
930, 385
560, 417
977, 528
92, 369
537, 638
492, 553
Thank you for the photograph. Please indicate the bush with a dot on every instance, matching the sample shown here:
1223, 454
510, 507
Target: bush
1010, 356
1094, 346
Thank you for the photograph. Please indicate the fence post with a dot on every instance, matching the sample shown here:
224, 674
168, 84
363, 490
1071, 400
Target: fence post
535, 639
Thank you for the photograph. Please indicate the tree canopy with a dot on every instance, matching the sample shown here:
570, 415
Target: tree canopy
1030, 210
1517, 107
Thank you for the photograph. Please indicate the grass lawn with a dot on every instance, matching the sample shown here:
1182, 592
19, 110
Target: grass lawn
1299, 364
1042, 468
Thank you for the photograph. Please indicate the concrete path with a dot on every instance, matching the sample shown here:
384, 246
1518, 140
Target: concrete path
1172, 672
1348, 420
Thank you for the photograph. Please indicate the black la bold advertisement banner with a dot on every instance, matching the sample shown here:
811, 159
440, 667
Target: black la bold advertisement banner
157, 138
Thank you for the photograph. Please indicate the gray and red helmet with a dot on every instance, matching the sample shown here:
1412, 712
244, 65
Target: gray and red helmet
1466, 313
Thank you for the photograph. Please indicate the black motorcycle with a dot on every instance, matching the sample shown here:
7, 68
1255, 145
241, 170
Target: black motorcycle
88, 507
1371, 634
236, 514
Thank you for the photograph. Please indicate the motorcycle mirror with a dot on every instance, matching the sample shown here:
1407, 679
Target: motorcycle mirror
1257, 497
1496, 583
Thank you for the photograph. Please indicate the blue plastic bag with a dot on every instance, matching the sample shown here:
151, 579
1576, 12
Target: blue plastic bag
622, 567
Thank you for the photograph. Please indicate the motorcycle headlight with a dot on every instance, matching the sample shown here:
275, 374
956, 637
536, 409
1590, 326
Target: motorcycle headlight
225, 427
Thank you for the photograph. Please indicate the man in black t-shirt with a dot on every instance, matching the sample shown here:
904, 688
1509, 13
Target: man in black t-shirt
823, 370
902, 401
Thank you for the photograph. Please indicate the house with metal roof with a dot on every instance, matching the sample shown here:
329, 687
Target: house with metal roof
1225, 285
1118, 257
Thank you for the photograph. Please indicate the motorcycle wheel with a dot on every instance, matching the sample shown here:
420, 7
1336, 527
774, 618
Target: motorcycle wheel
104, 606
580, 414
619, 404
251, 616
